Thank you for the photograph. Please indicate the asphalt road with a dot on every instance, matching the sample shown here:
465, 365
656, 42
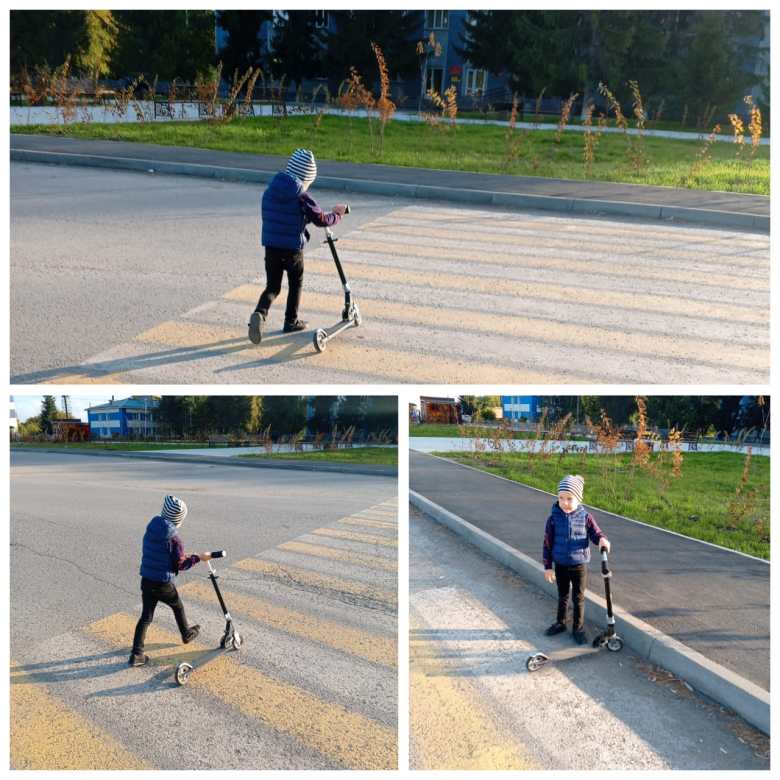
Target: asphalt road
714, 600
474, 705
311, 581
127, 277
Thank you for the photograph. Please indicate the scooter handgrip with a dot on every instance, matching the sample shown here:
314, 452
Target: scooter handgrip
219, 554
346, 208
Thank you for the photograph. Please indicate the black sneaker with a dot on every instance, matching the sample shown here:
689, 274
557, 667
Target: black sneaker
293, 327
138, 659
580, 637
192, 632
555, 628
256, 322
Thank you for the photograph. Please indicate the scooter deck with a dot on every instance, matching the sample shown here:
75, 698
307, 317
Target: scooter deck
570, 653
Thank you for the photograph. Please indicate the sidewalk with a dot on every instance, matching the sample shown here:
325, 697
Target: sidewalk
722, 209
712, 600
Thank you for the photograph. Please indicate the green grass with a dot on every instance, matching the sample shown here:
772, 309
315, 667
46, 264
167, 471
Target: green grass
696, 504
478, 148
455, 431
119, 445
374, 456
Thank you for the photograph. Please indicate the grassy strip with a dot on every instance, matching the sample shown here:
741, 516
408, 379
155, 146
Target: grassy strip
477, 148
476, 431
699, 504
373, 456
126, 446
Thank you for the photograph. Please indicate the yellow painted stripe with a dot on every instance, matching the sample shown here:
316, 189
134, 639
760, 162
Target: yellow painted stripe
547, 291
367, 522
295, 575
377, 649
449, 726
354, 536
532, 328
350, 357
45, 734
349, 738
347, 556
477, 255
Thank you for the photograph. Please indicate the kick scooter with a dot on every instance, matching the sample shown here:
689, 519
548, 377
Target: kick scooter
231, 639
607, 638
350, 314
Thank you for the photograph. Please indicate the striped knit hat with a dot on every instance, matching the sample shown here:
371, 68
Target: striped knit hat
301, 165
574, 484
174, 509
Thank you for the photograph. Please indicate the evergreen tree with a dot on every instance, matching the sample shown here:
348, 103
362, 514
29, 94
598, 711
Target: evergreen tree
43, 38
298, 46
48, 414
352, 411
244, 46
285, 414
321, 420
229, 413
171, 415
381, 414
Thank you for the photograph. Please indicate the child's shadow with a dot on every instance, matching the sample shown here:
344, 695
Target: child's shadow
114, 662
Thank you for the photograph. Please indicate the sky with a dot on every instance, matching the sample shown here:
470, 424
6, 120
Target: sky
30, 405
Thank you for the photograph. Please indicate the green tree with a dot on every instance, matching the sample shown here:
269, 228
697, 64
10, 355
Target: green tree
321, 420
381, 414
172, 415
229, 413
297, 46
30, 427
244, 46
97, 42
352, 411
396, 33
43, 38
48, 414
285, 414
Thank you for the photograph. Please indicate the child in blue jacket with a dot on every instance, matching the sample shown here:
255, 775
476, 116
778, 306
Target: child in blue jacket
286, 210
162, 558
567, 536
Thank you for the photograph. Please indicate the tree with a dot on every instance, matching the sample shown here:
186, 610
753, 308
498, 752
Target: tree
352, 411
48, 414
172, 415
97, 43
381, 414
229, 413
297, 46
285, 414
244, 46
43, 38
322, 413
395, 32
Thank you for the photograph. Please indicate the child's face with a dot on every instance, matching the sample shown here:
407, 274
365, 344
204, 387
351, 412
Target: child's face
567, 501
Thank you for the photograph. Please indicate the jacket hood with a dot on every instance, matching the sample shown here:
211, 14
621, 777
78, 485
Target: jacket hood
286, 187
160, 528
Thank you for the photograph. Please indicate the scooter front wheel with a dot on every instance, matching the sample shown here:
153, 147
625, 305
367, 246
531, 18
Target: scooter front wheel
615, 644
536, 661
236, 642
356, 318
320, 340
183, 673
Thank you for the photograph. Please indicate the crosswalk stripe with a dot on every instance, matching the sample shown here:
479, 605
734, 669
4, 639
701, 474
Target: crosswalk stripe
362, 644
45, 734
354, 536
346, 556
368, 523
351, 739
449, 726
295, 575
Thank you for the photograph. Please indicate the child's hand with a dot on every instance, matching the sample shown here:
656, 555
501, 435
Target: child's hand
549, 575
604, 544
340, 209
206, 556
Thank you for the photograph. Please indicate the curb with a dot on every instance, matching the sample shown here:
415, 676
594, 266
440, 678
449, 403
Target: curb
509, 200
747, 699
337, 468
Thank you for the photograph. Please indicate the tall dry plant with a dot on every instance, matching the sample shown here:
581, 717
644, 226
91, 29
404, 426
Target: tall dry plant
318, 113
738, 127
352, 94
675, 443
384, 105
563, 120
744, 504
207, 92
637, 153
614, 106
230, 106
249, 95
642, 449
591, 138
755, 125
513, 141
703, 156
538, 108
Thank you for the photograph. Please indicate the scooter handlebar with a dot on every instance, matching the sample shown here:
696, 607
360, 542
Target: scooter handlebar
219, 554
605, 564
346, 208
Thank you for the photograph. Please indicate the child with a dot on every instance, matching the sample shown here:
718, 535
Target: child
162, 558
567, 533
286, 210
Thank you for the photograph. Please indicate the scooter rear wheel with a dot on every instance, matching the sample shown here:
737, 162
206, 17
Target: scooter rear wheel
615, 644
183, 673
356, 318
320, 340
236, 642
536, 661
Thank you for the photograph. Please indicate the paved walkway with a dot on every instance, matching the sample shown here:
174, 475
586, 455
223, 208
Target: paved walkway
733, 209
713, 600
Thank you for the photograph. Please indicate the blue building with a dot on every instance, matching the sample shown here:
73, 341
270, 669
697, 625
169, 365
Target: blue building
132, 417
521, 407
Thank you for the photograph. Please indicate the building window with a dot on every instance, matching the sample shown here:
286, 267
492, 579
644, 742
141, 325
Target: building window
437, 20
320, 19
433, 79
475, 82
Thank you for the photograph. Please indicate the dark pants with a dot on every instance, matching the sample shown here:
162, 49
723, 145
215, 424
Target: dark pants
277, 261
576, 578
151, 593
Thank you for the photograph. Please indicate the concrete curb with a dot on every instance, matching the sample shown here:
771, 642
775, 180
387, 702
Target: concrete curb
290, 465
747, 699
509, 200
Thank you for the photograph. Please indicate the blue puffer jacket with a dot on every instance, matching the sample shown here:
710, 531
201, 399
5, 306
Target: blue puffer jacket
282, 213
571, 545
156, 551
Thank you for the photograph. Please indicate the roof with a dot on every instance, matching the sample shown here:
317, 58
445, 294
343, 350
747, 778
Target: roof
430, 400
134, 402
